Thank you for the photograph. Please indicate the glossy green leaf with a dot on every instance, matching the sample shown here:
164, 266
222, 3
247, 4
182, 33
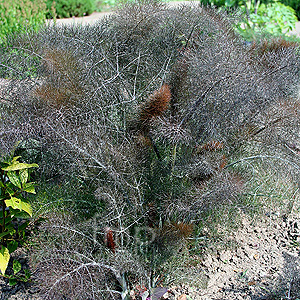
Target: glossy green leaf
10, 228
29, 187
27, 274
4, 259
12, 281
14, 179
23, 176
16, 213
16, 266
9, 189
3, 234
16, 203
12, 246
8, 219
19, 166
23, 226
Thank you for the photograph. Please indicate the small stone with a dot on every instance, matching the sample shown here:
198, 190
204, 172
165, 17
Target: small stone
7, 288
225, 256
208, 261
34, 290
182, 297
262, 273
22, 261
240, 252
165, 296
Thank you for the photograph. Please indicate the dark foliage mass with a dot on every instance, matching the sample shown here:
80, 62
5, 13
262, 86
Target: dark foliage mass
165, 115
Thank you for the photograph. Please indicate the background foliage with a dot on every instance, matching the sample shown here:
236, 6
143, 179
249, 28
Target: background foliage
294, 4
17, 16
274, 18
71, 8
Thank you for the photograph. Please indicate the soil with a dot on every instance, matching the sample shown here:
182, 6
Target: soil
264, 265
22, 290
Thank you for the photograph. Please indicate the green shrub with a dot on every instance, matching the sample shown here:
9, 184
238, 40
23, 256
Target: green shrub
295, 4
16, 16
105, 5
275, 18
72, 8
229, 3
14, 177
218, 3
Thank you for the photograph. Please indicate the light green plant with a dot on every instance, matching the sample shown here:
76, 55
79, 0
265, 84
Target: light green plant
70, 8
14, 185
272, 18
270, 15
295, 4
17, 275
275, 18
17, 16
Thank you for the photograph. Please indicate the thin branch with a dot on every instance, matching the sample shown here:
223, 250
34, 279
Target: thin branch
78, 148
263, 157
192, 108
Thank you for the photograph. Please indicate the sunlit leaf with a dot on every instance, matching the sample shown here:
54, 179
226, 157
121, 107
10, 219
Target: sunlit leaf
4, 259
23, 175
29, 187
14, 179
16, 267
16, 203
19, 166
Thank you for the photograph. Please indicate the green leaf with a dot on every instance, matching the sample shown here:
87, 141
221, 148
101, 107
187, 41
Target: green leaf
12, 281
19, 166
16, 267
4, 259
16, 213
27, 274
29, 187
3, 234
16, 203
23, 226
10, 228
8, 220
23, 175
9, 188
14, 179
12, 246
14, 160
